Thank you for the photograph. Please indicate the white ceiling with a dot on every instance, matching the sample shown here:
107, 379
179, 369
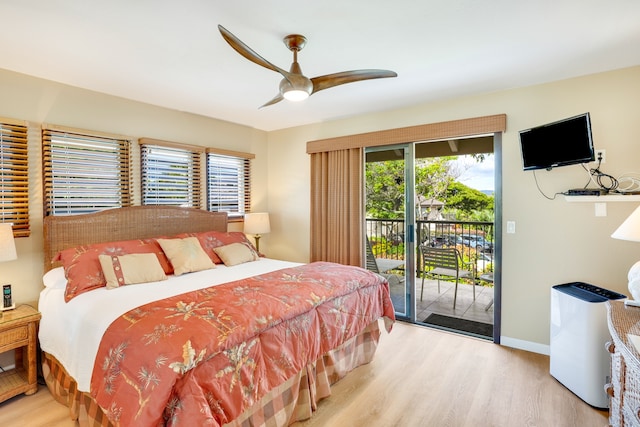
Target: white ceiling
169, 53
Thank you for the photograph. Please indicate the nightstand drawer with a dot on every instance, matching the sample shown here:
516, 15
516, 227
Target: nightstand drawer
14, 337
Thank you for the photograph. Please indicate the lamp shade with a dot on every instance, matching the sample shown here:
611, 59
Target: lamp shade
256, 223
630, 228
7, 244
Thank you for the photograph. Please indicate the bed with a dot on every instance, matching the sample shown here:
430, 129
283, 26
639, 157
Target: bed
250, 341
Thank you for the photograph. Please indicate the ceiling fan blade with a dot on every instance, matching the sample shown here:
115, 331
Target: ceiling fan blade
249, 53
336, 79
275, 100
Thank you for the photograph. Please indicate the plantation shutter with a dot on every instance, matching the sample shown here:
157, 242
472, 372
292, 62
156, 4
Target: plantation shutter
84, 173
229, 182
14, 176
170, 173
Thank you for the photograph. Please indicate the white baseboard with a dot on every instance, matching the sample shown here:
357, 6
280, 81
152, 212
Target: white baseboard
533, 347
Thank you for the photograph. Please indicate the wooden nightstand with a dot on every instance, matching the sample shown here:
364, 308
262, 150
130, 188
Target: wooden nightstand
18, 331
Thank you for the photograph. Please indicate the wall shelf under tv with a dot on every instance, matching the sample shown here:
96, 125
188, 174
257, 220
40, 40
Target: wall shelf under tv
605, 198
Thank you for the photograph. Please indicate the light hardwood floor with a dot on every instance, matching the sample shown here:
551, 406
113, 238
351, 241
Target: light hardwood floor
420, 378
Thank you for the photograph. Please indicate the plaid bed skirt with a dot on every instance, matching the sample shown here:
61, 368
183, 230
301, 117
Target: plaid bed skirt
294, 400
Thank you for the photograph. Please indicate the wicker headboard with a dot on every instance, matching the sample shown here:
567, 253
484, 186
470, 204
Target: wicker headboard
136, 222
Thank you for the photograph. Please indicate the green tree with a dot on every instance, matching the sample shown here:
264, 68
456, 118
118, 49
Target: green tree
385, 184
436, 178
385, 189
469, 203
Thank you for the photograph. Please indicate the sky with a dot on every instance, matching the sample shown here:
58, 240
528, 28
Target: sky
477, 175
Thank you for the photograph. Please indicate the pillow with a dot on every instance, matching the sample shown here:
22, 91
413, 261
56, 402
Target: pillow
120, 270
54, 278
186, 255
236, 253
82, 267
209, 240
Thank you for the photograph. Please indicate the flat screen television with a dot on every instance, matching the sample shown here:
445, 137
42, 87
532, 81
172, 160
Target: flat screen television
562, 143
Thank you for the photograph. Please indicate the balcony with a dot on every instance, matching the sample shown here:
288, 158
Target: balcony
474, 240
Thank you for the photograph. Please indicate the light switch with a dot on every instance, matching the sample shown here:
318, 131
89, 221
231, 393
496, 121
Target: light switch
601, 209
511, 227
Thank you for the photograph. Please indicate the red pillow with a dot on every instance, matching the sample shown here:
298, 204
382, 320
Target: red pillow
82, 266
214, 239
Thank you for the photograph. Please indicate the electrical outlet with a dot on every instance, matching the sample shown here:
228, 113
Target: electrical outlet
601, 155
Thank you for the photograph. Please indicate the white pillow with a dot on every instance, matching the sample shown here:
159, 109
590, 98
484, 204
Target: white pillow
55, 278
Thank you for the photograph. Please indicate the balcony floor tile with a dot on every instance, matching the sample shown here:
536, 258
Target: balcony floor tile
442, 303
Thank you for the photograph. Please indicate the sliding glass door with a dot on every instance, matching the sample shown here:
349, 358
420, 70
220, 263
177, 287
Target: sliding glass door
390, 222
426, 201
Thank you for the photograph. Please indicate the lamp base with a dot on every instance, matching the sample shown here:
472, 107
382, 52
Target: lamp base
257, 237
634, 281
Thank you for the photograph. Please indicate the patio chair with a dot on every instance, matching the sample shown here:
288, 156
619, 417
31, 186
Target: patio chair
374, 264
445, 264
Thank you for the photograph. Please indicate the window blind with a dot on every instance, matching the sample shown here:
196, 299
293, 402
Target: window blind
84, 173
14, 176
170, 175
228, 184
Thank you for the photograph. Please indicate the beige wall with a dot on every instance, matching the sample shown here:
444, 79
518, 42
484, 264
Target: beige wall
40, 101
555, 241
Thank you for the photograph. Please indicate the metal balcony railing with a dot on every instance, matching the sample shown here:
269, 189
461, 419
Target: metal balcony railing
474, 240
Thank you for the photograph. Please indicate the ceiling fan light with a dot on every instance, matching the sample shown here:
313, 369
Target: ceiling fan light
296, 95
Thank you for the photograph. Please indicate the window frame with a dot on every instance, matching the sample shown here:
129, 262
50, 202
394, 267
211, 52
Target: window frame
68, 172
242, 163
14, 175
191, 182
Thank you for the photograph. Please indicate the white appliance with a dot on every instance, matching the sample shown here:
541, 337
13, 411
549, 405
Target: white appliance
579, 332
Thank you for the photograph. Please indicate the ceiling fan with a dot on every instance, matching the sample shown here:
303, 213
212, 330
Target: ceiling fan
295, 86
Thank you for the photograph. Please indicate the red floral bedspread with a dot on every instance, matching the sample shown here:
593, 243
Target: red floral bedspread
201, 358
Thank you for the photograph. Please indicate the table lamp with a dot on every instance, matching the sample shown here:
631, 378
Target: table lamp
257, 224
630, 230
7, 253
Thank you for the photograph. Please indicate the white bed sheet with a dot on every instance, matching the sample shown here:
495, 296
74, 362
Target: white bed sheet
71, 332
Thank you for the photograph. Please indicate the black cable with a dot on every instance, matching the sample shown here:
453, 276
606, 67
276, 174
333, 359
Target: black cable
599, 177
595, 175
535, 178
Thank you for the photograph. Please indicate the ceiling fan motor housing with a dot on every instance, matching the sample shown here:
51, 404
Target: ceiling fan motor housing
301, 84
